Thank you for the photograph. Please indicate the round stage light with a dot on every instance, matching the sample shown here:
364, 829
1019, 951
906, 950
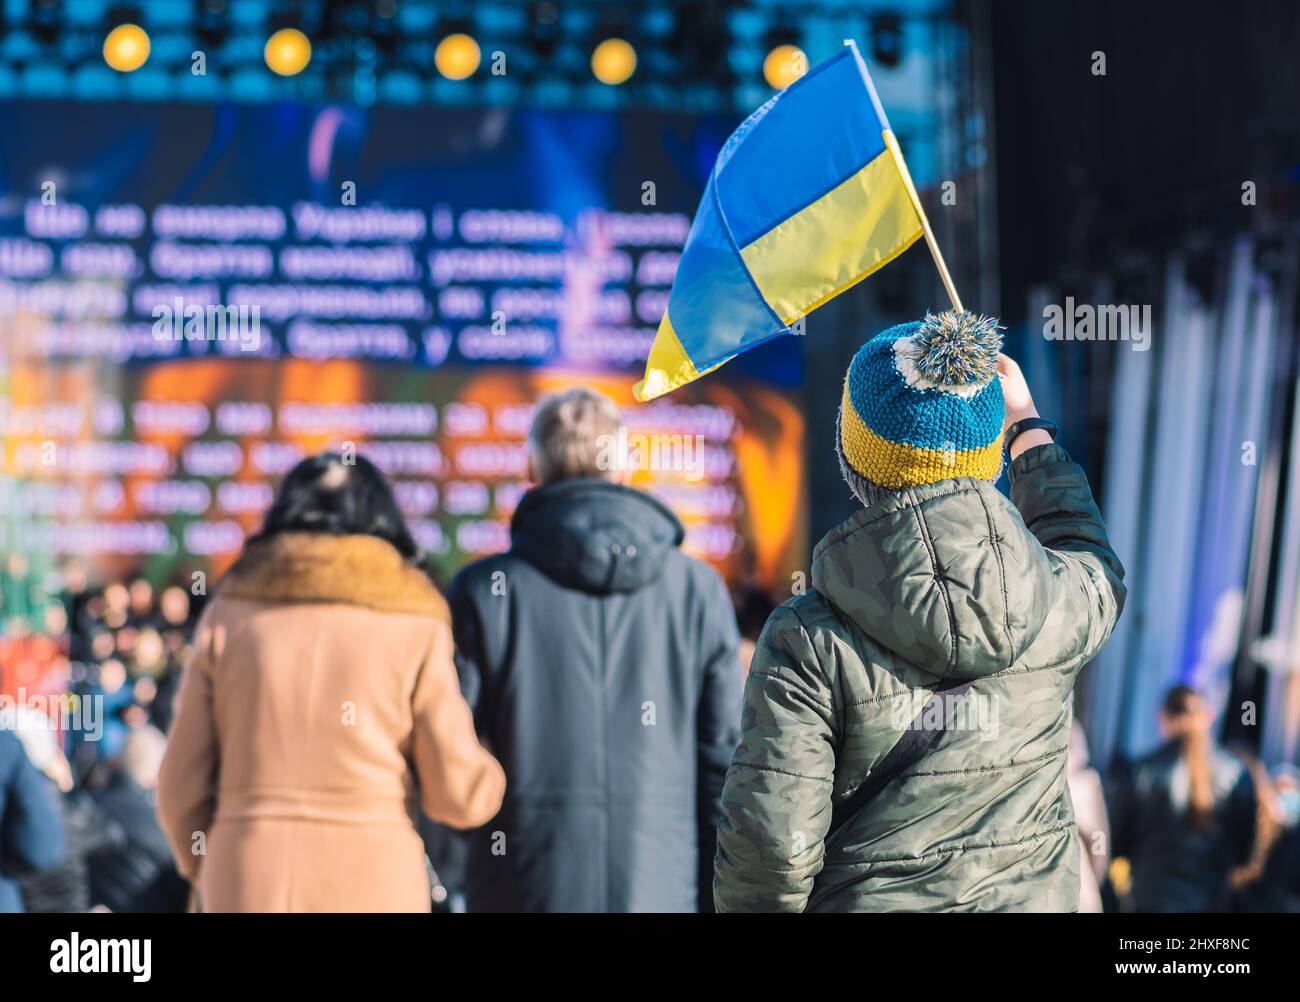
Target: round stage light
457, 56
613, 61
784, 65
126, 48
287, 52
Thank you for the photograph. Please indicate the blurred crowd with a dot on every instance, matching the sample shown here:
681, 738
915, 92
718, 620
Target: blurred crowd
329, 629
88, 675
1189, 826
120, 647
123, 641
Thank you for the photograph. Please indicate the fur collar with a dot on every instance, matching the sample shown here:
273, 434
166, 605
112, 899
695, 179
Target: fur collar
315, 567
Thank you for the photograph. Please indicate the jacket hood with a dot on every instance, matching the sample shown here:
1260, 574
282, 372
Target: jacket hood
318, 567
594, 535
941, 575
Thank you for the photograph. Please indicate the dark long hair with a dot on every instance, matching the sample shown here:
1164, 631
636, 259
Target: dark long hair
326, 494
1188, 722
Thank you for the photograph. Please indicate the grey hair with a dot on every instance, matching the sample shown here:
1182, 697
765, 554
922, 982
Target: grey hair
572, 435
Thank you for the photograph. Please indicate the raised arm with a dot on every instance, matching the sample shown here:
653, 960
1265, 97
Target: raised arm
1084, 579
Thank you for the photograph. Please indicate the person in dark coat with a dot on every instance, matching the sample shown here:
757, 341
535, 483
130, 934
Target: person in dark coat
602, 666
31, 833
1184, 814
65, 887
136, 874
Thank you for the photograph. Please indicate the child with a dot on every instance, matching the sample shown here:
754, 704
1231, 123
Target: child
906, 720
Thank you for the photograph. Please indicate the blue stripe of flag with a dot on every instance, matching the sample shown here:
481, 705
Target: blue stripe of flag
810, 139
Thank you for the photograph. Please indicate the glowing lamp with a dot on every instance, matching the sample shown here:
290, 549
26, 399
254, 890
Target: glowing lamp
784, 65
126, 48
287, 52
457, 56
613, 61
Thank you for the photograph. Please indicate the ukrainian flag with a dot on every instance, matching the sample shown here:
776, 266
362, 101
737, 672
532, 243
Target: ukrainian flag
808, 197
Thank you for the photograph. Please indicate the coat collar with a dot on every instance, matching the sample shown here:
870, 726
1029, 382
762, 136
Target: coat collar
317, 567
594, 535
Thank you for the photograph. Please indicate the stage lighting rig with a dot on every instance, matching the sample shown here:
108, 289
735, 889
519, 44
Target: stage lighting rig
211, 22
701, 40
45, 21
887, 39
543, 32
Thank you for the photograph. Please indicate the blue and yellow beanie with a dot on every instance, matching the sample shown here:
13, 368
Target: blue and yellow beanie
923, 402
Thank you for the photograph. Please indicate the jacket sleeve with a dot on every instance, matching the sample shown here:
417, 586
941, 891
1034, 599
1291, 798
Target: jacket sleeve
188, 779
1084, 579
461, 784
776, 803
467, 634
717, 725
32, 837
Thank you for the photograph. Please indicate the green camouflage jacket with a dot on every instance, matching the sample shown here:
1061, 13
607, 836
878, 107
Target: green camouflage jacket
945, 582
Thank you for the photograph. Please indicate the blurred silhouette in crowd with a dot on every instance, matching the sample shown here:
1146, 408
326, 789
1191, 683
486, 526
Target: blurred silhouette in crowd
753, 607
1184, 814
121, 644
31, 832
1278, 889
65, 886
136, 873
1251, 887
329, 654
602, 666
1090, 815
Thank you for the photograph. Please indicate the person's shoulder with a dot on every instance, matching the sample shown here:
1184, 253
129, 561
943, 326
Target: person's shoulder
799, 642
1231, 766
698, 586
1153, 764
804, 620
811, 610
692, 569
479, 574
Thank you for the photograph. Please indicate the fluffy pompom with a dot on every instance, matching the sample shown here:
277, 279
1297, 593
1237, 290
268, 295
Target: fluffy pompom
956, 348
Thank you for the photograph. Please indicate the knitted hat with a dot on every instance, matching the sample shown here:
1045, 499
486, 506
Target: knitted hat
922, 402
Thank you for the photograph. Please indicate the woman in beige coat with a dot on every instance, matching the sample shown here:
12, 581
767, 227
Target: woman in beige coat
319, 711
